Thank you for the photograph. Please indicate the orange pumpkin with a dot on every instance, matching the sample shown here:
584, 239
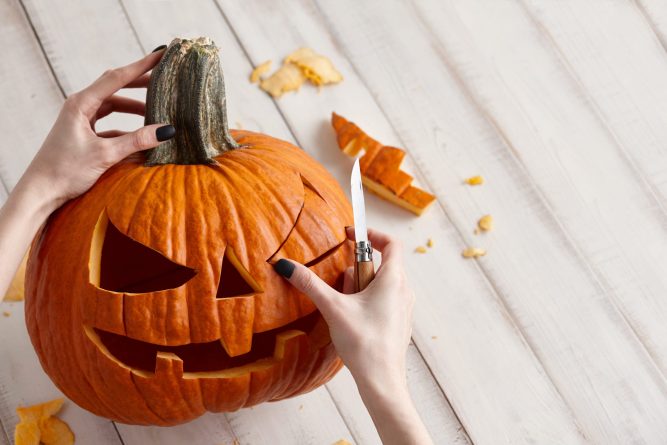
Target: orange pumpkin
151, 299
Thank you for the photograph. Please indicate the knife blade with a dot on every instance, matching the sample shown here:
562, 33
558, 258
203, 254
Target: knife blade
363, 257
358, 206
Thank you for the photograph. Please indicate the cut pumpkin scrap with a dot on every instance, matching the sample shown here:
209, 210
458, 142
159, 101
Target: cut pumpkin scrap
485, 223
16, 287
318, 69
299, 66
381, 167
37, 425
420, 249
259, 70
288, 78
473, 252
342, 442
475, 180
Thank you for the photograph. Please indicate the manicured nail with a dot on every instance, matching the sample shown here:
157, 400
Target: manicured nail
284, 268
165, 132
159, 48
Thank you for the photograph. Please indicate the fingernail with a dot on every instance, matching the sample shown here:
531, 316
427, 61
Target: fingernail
159, 48
348, 228
284, 268
165, 132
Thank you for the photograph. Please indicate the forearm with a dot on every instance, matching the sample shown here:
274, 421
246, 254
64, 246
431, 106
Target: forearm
26, 208
393, 413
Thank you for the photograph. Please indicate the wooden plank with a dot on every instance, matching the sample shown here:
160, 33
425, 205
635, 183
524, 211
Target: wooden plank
81, 41
205, 430
261, 425
30, 97
607, 60
115, 27
22, 382
464, 99
655, 14
429, 400
500, 393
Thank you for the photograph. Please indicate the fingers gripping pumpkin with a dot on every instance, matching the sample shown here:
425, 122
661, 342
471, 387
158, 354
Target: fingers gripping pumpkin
151, 299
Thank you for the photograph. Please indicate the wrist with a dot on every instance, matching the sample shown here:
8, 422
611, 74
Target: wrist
380, 386
35, 197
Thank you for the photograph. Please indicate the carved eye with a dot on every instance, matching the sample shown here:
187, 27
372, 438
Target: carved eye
317, 232
125, 265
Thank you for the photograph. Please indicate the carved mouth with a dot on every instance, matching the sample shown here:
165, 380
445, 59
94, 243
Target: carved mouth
200, 359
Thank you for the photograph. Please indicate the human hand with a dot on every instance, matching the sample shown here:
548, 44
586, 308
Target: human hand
370, 329
74, 155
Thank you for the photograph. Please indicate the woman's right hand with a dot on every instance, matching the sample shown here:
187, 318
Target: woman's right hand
370, 329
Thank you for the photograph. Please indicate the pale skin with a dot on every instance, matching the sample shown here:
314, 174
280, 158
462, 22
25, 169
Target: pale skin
370, 329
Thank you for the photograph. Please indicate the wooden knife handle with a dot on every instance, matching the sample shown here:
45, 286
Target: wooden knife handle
363, 274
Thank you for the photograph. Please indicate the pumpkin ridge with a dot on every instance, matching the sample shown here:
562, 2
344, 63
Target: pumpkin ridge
146, 185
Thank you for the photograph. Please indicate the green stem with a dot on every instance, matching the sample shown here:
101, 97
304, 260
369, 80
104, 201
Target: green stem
187, 90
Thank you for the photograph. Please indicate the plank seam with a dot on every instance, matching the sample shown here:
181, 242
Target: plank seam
444, 395
644, 184
483, 272
115, 427
134, 30
41, 47
650, 23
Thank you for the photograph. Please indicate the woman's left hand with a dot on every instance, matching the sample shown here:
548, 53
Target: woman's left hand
74, 155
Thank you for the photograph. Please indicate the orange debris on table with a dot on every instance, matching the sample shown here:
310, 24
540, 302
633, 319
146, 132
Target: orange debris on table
475, 180
16, 287
299, 66
38, 425
380, 167
473, 252
260, 69
485, 223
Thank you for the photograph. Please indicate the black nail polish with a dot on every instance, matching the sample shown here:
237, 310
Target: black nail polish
284, 268
165, 132
159, 48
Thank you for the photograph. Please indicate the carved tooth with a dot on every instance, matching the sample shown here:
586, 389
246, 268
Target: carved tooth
168, 363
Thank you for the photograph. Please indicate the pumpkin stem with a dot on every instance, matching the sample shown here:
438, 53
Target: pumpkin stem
187, 90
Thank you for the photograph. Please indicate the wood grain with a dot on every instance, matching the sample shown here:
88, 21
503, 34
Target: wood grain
30, 97
558, 334
464, 99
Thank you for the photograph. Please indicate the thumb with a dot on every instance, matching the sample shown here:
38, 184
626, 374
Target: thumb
143, 138
307, 282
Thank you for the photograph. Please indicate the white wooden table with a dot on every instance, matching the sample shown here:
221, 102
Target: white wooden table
559, 334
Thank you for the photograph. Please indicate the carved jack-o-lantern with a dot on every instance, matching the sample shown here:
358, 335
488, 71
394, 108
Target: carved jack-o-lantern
151, 299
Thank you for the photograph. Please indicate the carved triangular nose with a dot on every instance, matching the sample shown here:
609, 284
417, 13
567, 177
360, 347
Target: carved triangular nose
235, 280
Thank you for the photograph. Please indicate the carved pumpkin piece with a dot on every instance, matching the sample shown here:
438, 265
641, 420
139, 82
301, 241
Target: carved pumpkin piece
165, 305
